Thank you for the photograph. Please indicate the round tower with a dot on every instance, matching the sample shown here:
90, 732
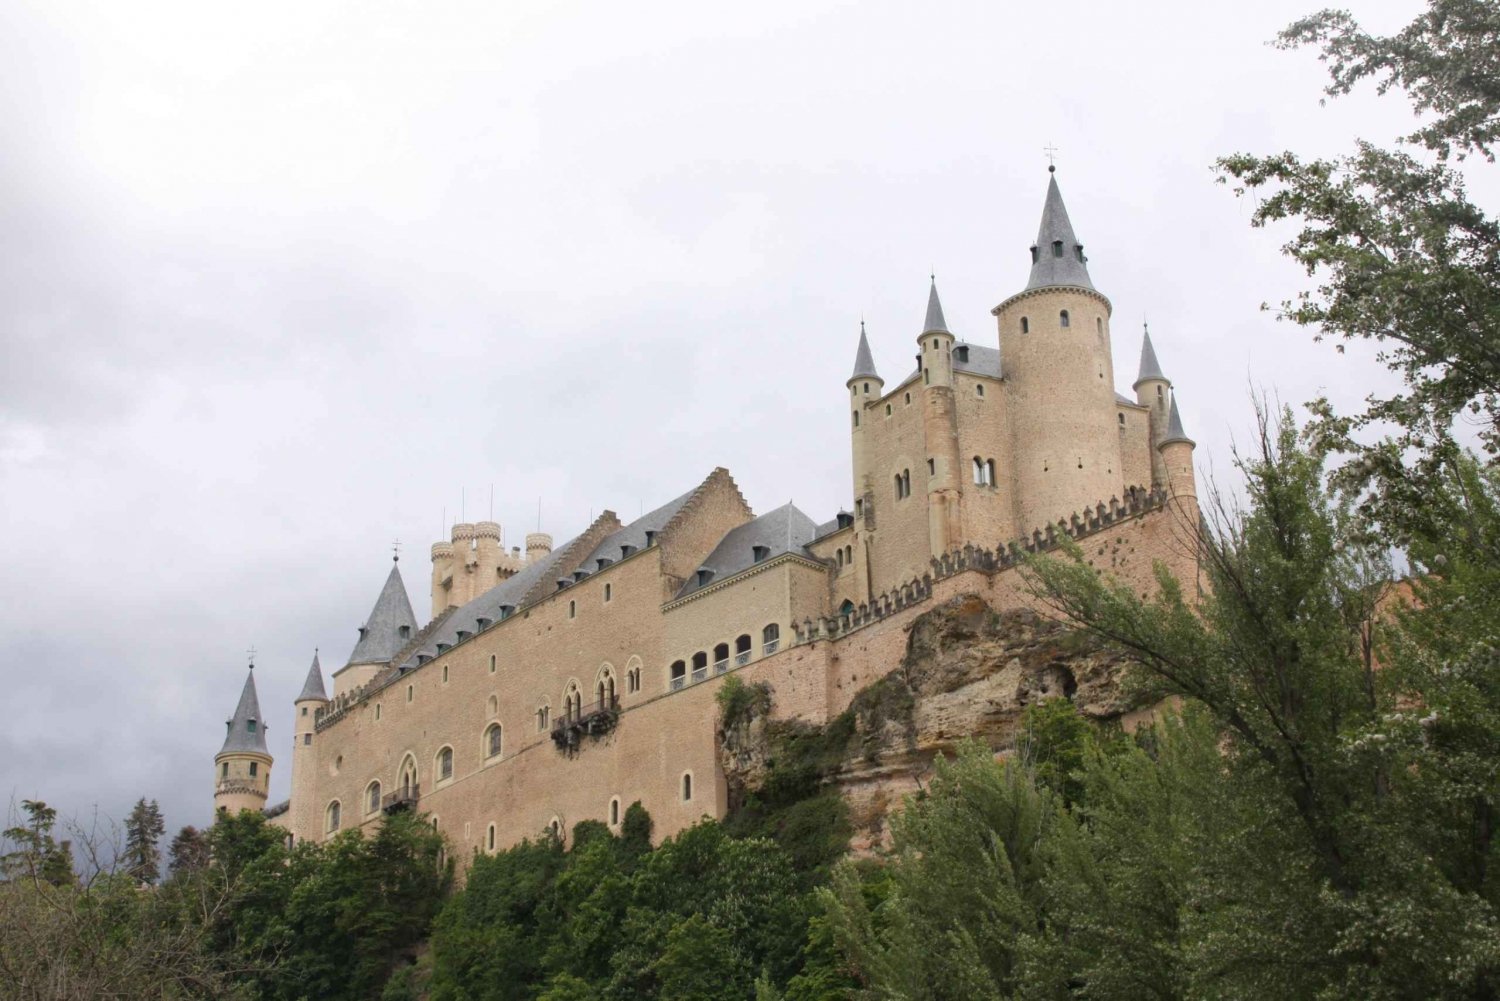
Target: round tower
442, 574
1176, 450
1055, 359
304, 811
242, 768
488, 553
940, 429
1154, 390
866, 387
538, 545
464, 541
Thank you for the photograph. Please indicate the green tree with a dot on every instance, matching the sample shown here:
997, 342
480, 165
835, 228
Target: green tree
143, 830
1403, 257
35, 853
188, 853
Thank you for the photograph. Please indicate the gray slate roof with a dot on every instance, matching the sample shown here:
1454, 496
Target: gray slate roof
981, 361
864, 362
1174, 426
513, 590
242, 736
1050, 269
313, 688
1150, 367
934, 323
380, 637
784, 530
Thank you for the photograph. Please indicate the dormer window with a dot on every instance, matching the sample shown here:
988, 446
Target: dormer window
650, 539
564, 582
602, 562
443, 647
762, 553
704, 576
404, 632
506, 611
580, 574
250, 726
1057, 248
845, 519
962, 352
1078, 249
626, 551
464, 634
484, 624
1035, 256
362, 632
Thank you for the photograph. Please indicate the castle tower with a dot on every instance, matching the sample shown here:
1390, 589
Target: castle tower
242, 768
1176, 451
304, 819
865, 387
1154, 390
488, 554
442, 576
464, 563
390, 627
940, 429
1055, 356
538, 545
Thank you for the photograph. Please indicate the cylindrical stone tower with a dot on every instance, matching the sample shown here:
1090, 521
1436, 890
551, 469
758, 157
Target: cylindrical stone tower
488, 552
1059, 375
242, 768
442, 572
1153, 389
538, 545
940, 430
865, 386
305, 814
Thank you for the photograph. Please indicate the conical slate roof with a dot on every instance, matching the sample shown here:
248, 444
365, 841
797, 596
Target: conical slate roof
1150, 367
313, 687
1174, 426
934, 324
382, 636
247, 730
1057, 258
864, 362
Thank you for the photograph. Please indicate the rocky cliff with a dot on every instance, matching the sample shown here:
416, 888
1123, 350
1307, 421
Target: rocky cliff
968, 672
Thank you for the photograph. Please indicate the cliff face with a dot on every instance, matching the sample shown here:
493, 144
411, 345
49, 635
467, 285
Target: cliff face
969, 672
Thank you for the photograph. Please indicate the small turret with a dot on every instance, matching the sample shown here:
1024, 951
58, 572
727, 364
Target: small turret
1176, 450
538, 546
866, 387
304, 813
243, 765
442, 576
940, 428
1154, 391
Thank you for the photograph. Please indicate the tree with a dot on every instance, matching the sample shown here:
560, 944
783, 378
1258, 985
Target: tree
1403, 258
189, 852
143, 830
36, 855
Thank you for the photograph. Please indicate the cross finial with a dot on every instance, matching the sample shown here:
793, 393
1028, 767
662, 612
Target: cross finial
396, 551
1051, 152
251, 654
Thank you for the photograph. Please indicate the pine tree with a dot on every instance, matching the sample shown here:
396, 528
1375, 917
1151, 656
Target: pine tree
189, 852
143, 830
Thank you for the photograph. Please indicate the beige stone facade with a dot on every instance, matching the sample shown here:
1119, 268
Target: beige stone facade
560, 685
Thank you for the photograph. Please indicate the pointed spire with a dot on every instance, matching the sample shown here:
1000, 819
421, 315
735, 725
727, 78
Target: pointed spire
313, 687
247, 730
1057, 258
1174, 427
390, 625
1150, 367
864, 362
935, 324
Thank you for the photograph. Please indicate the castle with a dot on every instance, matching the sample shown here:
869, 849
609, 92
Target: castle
564, 683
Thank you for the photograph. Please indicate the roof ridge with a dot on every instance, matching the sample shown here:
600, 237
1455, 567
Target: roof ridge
719, 473
570, 555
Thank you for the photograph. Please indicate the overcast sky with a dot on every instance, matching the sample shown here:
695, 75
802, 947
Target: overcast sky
283, 282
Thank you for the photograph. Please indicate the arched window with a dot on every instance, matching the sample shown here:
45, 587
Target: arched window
679, 674
254, 769
332, 817
978, 389
372, 797
846, 609
543, 717
445, 764
1122, 418
614, 812
849, 555
1062, 318
572, 609
926, 377
1057, 248
687, 787
1025, 325
770, 639
493, 705
840, 559
888, 410
906, 482
856, 418
978, 471
908, 399
700, 665
572, 702
493, 741
224, 773
931, 467
408, 783
721, 657
609, 591
1099, 324
410, 692
742, 650
867, 389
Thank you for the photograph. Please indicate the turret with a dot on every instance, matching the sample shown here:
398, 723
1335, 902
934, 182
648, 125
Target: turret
304, 812
242, 768
464, 563
1154, 390
442, 576
940, 428
488, 554
865, 388
1176, 450
388, 629
1056, 362
538, 546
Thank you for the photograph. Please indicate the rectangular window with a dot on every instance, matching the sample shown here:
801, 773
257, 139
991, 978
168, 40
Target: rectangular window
306, 739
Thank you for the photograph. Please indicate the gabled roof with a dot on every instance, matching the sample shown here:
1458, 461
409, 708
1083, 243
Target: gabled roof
313, 688
1150, 367
934, 324
1174, 427
247, 729
633, 534
380, 638
975, 359
1051, 267
784, 530
864, 362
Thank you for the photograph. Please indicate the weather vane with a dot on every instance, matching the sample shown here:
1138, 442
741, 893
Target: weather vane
1051, 152
396, 551
251, 653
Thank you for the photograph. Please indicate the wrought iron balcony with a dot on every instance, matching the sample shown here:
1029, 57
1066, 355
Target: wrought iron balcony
404, 798
568, 732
